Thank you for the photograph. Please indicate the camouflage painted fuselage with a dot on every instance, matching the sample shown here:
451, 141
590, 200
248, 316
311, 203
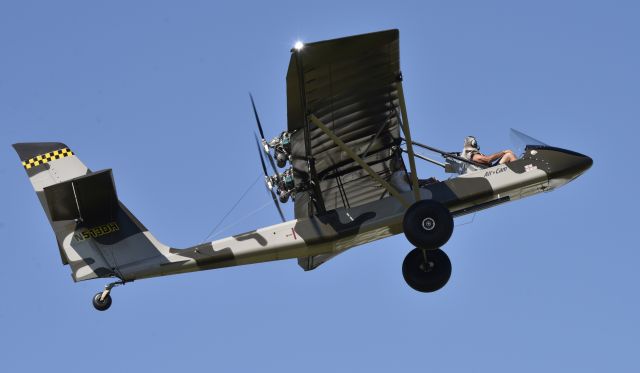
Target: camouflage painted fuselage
120, 246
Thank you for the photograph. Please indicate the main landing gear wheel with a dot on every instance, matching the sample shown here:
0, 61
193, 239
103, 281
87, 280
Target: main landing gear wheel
426, 270
427, 223
101, 303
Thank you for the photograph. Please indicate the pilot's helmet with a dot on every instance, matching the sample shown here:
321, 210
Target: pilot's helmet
470, 143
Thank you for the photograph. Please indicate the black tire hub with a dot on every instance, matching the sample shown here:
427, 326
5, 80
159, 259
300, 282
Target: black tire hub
428, 224
427, 266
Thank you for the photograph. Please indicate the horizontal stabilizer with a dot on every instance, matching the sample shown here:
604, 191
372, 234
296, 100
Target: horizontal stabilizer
90, 198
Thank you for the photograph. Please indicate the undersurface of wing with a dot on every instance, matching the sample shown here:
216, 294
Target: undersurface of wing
351, 85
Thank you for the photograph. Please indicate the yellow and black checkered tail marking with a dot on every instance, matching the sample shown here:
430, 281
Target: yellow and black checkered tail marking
46, 158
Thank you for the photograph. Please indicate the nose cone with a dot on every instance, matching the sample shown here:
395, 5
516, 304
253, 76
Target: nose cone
565, 164
585, 164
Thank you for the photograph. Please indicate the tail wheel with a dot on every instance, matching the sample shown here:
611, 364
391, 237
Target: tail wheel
426, 270
427, 224
101, 305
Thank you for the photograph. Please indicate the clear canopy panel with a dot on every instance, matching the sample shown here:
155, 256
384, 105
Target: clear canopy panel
520, 141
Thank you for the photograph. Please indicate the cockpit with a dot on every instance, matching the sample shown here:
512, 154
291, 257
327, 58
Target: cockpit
456, 163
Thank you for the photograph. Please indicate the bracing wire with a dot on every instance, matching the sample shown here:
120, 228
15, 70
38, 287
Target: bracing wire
244, 194
242, 219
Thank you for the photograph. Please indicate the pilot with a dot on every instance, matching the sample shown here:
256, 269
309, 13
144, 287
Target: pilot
471, 152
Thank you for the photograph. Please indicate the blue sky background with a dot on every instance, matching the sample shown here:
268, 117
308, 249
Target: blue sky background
157, 91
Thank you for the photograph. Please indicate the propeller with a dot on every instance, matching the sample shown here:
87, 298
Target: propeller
266, 175
264, 142
255, 112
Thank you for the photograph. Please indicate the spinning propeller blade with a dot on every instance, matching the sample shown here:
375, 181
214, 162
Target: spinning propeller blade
255, 112
264, 141
266, 174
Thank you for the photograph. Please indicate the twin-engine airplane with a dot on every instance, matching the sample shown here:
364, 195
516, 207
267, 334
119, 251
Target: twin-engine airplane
346, 177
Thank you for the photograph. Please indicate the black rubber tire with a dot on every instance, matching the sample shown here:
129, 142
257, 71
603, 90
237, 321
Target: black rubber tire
104, 305
424, 211
426, 277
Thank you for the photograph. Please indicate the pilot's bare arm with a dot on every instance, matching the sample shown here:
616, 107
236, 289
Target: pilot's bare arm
488, 159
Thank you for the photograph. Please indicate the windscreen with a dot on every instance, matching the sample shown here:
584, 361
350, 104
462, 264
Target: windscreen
520, 141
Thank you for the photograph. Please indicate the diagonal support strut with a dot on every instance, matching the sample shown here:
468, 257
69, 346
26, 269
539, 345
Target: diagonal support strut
407, 135
358, 160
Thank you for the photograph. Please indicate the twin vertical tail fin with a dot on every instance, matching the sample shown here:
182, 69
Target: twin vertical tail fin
97, 236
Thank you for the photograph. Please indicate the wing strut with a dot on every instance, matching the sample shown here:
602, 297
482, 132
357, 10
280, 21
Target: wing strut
407, 134
359, 160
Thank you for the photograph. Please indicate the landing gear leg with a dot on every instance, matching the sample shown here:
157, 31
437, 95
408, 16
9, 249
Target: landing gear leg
102, 300
426, 270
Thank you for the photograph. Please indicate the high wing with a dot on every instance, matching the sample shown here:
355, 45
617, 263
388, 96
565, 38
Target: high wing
351, 85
